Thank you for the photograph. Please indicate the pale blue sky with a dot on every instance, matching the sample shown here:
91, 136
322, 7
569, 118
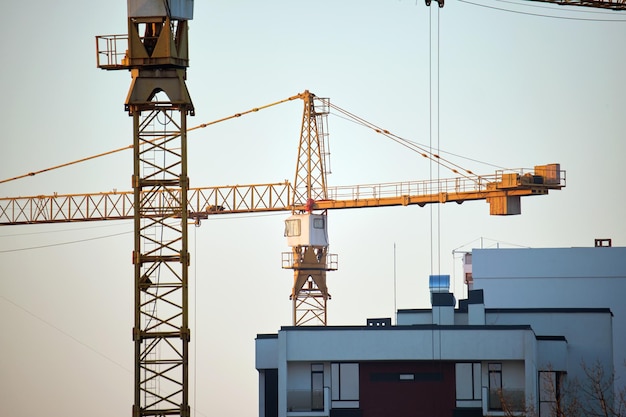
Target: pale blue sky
516, 89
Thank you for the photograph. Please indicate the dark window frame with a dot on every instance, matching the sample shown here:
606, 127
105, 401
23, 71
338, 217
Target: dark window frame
494, 369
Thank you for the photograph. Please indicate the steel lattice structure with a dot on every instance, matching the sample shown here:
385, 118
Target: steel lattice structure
157, 55
161, 259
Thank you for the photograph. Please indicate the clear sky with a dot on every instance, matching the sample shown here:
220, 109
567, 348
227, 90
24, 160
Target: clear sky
520, 84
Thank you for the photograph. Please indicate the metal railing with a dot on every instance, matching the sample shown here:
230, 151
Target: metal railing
315, 402
414, 188
332, 261
111, 51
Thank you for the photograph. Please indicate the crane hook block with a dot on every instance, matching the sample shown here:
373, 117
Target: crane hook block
440, 2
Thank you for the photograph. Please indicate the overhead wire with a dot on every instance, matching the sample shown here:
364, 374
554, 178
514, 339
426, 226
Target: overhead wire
434, 135
64, 243
212, 218
63, 332
61, 230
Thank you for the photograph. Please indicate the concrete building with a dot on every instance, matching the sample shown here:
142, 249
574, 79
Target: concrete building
476, 359
587, 277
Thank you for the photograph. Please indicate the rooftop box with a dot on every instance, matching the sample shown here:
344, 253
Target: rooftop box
175, 9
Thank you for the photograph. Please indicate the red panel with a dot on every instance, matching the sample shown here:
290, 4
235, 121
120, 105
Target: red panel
384, 394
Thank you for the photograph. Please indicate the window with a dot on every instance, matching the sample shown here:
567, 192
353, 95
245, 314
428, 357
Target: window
318, 223
317, 386
468, 381
292, 227
549, 393
345, 385
495, 386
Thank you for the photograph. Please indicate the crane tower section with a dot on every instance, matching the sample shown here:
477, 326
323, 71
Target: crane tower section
306, 231
158, 101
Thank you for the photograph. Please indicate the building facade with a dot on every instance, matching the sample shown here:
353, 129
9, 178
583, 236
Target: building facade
583, 277
533, 319
442, 361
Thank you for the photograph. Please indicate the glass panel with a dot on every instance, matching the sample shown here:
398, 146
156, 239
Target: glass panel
335, 381
477, 382
464, 389
292, 227
495, 367
495, 386
317, 367
318, 223
349, 381
547, 384
317, 391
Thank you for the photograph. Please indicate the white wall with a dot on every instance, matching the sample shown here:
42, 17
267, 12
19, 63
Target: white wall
337, 344
266, 353
558, 277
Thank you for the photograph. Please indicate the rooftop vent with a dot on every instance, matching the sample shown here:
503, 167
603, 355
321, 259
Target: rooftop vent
439, 283
384, 322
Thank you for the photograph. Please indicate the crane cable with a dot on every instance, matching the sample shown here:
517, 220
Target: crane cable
201, 126
414, 146
434, 134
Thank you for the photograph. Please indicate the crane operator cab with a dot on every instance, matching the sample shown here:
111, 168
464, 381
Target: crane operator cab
306, 229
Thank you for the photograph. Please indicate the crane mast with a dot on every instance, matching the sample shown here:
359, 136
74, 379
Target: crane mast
309, 257
158, 102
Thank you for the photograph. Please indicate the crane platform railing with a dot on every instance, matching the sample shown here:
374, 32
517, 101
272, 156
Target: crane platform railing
521, 178
416, 188
206, 201
112, 51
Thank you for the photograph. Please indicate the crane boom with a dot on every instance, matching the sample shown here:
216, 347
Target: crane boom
598, 4
497, 189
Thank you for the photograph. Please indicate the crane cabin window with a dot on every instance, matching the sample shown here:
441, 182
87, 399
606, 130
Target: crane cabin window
292, 227
318, 223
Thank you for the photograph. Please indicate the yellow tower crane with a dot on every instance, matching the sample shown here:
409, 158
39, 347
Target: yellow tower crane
597, 4
157, 56
155, 51
162, 208
308, 199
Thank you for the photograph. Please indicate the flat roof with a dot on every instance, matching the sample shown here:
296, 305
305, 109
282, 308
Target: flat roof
522, 310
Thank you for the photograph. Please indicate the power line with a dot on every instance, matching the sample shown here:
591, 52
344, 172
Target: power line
63, 332
64, 243
61, 230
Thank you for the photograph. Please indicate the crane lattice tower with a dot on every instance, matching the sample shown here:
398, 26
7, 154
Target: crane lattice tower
158, 102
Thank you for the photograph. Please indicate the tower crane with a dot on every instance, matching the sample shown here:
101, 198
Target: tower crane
158, 205
162, 205
308, 198
598, 4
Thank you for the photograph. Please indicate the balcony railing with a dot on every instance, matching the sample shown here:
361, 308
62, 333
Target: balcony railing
308, 403
495, 402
